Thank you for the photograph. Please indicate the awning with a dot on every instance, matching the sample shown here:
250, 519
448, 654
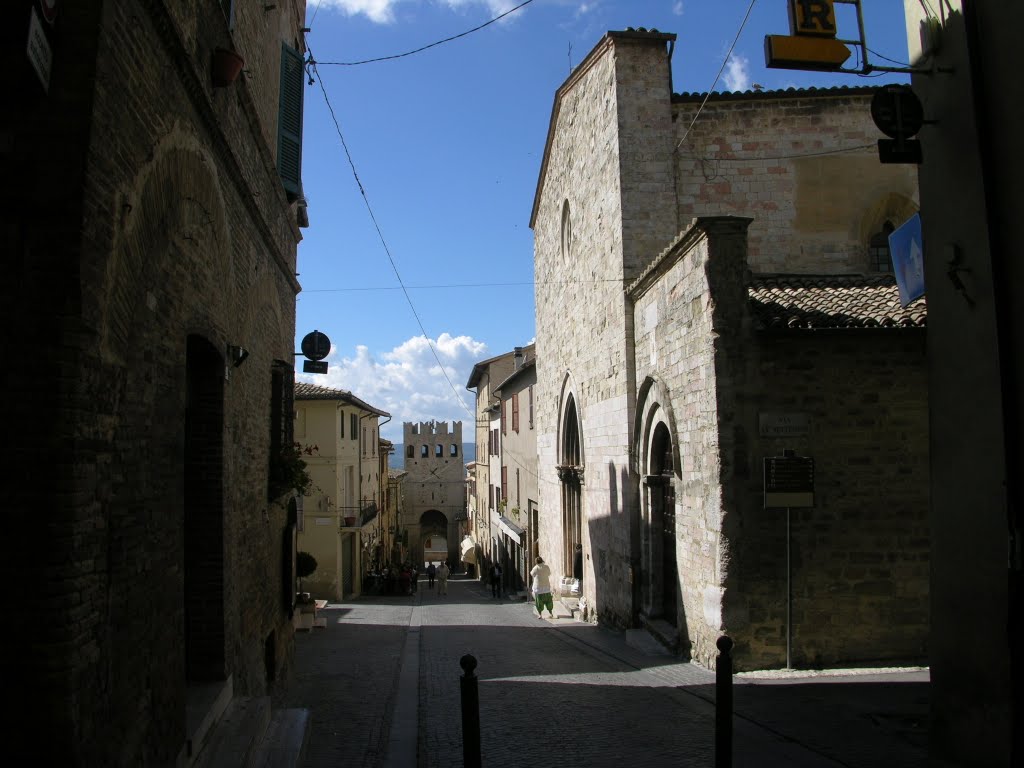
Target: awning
468, 550
512, 530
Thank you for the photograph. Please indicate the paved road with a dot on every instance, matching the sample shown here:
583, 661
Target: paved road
382, 682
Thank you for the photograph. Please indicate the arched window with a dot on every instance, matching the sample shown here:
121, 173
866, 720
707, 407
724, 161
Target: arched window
454, 449
410, 451
879, 258
424, 451
566, 232
439, 450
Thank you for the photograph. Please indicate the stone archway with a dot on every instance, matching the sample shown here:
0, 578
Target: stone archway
434, 543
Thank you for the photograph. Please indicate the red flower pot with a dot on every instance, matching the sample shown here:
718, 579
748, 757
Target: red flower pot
225, 67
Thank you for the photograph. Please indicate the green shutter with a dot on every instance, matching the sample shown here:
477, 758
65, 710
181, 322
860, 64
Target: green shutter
289, 122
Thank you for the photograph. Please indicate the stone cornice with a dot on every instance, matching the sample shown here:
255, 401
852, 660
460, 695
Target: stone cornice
700, 228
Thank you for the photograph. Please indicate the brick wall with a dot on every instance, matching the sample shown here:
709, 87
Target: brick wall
155, 215
765, 156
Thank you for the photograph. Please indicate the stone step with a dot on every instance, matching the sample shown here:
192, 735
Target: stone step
284, 745
235, 738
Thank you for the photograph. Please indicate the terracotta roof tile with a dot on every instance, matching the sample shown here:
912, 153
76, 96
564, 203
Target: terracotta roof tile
836, 301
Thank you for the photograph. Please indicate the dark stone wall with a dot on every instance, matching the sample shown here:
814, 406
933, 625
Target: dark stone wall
142, 215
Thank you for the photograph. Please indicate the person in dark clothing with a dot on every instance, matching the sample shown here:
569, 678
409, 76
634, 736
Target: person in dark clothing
495, 580
577, 564
431, 573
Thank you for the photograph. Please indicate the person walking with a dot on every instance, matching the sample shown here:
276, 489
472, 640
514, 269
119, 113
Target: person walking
541, 575
495, 580
414, 578
442, 578
431, 572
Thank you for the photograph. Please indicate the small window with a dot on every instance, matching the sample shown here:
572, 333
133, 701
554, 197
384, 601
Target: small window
410, 452
439, 450
341, 429
424, 451
353, 426
453, 450
879, 257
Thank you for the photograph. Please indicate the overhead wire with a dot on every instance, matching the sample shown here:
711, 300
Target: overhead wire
425, 47
380, 234
721, 69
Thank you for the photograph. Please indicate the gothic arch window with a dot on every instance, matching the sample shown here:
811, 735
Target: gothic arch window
879, 258
566, 232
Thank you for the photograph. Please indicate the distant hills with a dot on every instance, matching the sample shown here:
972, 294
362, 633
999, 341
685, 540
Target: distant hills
397, 459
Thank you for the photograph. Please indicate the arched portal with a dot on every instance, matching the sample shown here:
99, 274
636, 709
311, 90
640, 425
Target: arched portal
663, 526
570, 473
433, 544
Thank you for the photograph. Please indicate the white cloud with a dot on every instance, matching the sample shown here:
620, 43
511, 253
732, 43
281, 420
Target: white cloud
379, 11
407, 382
496, 7
736, 76
677, 8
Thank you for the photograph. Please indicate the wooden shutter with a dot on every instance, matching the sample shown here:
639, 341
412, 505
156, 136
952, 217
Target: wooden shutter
515, 412
504, 422
289, 122
531, 406
504, 482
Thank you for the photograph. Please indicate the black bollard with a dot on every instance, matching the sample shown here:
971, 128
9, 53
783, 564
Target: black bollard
470, 713
723, 703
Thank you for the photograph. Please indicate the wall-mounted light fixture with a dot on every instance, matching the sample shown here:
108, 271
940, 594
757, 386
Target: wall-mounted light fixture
237, 355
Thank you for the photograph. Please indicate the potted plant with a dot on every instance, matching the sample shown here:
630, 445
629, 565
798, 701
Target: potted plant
305, 565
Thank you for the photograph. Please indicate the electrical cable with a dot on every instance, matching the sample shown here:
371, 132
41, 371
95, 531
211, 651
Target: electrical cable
380, 234
894, 61
720, 71
425, 47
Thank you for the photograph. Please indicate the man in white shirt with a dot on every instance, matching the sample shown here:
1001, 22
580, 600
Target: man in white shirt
541, 574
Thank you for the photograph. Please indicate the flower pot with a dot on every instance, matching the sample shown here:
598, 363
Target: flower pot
225, 67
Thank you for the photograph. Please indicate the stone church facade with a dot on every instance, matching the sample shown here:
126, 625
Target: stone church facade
729, 301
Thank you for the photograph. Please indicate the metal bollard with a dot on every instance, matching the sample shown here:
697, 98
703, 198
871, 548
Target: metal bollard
723, 703
470, 713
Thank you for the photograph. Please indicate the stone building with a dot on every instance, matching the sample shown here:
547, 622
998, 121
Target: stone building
518, 511
482, 380
971, 199
433, 490
339, 436
732, 299
149, 226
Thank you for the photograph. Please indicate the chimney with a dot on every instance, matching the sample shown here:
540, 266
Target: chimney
517, 358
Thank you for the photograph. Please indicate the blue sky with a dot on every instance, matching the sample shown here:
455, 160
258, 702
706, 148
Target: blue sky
447, 144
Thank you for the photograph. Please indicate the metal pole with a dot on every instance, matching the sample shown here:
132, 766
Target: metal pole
789, 596
470, 713
723, 703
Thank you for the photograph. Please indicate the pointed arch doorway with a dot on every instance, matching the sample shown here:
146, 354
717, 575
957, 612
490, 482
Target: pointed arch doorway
570, 473
664, 582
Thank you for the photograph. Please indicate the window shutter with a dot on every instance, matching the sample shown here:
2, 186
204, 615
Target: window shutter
531, 406
504, 483
515, 412
504, 423
289, 122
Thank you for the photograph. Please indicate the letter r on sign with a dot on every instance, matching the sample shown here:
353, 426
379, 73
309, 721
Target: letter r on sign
815, 18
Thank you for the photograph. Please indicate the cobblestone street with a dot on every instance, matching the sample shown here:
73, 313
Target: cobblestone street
567, 693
